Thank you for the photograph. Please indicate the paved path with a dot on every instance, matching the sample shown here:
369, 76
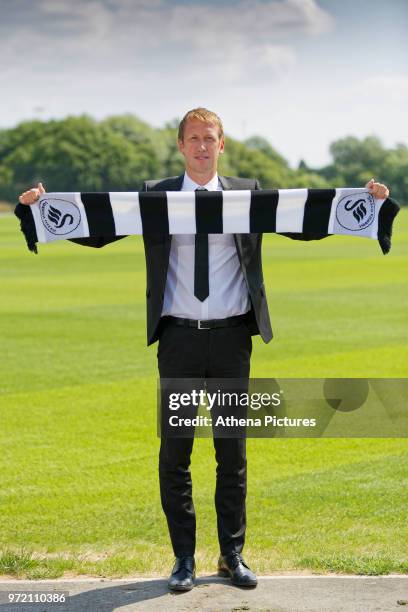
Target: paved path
273, 594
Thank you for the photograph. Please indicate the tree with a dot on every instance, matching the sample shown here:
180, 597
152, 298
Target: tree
358, 160
118, 153
74, 154
258, 143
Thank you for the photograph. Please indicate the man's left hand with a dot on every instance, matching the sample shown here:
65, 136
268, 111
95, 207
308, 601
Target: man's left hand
378, 190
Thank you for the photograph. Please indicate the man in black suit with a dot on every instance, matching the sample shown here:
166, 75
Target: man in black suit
205, 299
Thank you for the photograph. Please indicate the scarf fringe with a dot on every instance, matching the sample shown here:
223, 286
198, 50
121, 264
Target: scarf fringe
27, 226
386, 216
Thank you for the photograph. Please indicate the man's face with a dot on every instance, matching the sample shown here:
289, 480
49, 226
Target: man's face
201, 147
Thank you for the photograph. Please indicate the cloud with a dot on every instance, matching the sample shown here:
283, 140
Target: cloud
158, 38
392, 86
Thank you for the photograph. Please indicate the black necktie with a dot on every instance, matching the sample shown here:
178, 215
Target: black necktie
201, 286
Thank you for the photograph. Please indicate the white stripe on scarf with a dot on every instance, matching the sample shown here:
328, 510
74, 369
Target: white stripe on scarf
58, 216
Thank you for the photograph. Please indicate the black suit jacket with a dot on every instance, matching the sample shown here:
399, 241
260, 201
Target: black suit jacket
157, 250
157, 253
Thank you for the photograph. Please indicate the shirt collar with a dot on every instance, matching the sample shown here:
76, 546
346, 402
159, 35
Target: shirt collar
190, 185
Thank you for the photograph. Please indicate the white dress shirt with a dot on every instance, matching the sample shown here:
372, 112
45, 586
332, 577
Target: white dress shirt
228, 291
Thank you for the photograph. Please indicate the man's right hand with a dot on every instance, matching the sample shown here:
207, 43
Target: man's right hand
31, 196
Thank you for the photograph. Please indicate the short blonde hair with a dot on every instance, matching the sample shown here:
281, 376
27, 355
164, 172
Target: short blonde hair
203, 114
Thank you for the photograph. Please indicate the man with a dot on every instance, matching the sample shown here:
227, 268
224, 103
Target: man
205, 298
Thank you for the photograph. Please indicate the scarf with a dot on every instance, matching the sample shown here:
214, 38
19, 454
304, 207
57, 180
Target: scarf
353, 212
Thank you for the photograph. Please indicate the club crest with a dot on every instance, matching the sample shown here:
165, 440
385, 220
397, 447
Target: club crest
356, 211
59, 217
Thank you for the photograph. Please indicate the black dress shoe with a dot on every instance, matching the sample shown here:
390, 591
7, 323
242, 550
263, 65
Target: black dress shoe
183, 575
234, 567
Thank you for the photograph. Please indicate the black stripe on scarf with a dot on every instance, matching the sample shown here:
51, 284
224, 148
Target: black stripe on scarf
153, 211
262, 214
208, 209
99, 214
317, 214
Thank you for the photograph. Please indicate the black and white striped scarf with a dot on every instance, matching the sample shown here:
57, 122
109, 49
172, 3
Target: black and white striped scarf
354, 212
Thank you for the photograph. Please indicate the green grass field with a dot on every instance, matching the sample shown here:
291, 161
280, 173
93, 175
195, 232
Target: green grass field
78, 464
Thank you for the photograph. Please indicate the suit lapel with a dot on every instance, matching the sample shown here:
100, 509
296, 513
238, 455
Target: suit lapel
176, 184
225, 183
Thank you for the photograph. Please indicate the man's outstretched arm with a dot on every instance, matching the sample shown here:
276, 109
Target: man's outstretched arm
377, 190
32, 195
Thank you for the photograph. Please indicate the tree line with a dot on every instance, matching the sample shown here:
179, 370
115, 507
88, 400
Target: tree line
120, 152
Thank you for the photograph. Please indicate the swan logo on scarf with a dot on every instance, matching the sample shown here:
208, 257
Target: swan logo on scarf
356, 212
61, 217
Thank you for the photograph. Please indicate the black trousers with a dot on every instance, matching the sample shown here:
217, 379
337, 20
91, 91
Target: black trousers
193, 353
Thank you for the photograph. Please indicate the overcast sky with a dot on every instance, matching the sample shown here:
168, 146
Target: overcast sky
299, 72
